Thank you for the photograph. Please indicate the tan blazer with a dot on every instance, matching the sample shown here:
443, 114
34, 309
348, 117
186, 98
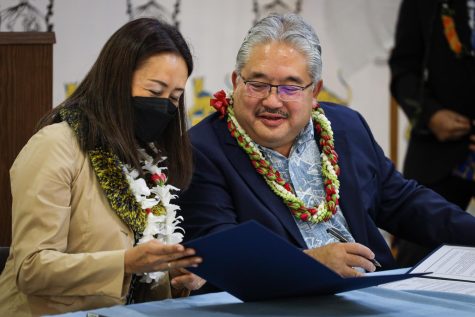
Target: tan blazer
68, 245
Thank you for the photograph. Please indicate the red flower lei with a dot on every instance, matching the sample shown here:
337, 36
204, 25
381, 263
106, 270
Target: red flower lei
220, 103
450, 32
330, 169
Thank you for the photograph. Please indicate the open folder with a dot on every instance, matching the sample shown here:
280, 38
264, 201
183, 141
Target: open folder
252, 263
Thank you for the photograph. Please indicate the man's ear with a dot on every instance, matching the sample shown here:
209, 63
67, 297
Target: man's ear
317, 88
234, 78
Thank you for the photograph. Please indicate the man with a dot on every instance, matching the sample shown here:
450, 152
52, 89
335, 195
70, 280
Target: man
270, 156
433, 76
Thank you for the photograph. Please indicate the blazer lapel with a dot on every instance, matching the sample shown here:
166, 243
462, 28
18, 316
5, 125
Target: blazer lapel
242, 163
350, 201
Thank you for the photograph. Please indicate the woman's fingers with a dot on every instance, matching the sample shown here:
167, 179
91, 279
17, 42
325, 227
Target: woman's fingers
185, 279
165, 252
156, 247
179, 263
155, 256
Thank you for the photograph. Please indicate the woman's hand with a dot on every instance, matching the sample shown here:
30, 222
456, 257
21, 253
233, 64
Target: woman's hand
344, 257
183, 279
153, 256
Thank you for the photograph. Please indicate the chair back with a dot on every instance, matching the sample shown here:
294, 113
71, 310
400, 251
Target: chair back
4, 252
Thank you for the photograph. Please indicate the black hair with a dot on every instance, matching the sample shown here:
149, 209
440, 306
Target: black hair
104, 97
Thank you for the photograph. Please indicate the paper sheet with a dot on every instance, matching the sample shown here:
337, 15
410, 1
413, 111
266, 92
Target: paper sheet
453, 271
430, 284
450, 262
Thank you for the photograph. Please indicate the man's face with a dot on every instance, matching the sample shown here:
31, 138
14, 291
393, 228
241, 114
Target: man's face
271, 121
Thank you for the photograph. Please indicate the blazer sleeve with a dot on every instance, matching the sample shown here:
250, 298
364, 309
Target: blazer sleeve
412, 211
41, 182
408, 62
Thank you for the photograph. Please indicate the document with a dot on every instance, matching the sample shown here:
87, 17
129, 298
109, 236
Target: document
252, 263
450, 269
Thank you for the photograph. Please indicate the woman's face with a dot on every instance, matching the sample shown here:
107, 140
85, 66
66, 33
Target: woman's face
163, 75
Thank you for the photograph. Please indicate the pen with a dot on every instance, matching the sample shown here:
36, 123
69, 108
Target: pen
337, 234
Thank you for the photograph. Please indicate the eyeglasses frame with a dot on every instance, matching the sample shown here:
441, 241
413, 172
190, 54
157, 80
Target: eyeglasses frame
302, 88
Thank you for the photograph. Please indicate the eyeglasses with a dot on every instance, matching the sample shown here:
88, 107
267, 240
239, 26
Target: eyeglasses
257, 89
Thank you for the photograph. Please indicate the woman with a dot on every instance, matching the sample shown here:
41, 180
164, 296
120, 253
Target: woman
92, 183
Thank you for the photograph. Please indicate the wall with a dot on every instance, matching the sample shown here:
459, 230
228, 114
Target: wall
356, 36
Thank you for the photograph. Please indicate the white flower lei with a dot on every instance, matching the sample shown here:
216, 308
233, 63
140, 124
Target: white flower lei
163, 228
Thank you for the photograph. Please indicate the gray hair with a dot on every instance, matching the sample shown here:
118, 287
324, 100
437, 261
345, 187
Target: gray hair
289, 28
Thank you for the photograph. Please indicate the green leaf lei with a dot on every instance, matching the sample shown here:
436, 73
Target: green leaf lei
108, 169
329, 158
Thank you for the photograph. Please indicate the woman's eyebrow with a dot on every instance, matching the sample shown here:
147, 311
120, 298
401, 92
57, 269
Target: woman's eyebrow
165, 85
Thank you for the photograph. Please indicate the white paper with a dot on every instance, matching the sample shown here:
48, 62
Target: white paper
450, 262
451, 268
431, 284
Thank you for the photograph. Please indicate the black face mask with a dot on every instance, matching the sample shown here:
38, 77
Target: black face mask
151, 116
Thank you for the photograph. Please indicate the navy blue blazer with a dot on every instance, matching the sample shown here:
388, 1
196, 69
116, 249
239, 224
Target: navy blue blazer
226, 190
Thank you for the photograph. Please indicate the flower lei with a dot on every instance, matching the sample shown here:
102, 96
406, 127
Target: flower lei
330, 169
142, 203
154, 198
450, 32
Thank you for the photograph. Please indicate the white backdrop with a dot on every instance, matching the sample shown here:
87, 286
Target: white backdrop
356, 37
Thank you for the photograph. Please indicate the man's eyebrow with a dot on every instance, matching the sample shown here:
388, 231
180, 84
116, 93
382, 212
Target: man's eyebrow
262, 76
294, 79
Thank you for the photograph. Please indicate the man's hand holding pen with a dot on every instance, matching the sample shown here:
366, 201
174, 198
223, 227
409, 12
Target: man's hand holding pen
344, 257
337, 234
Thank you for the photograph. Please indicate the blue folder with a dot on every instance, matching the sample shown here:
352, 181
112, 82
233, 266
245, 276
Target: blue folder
252, 263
